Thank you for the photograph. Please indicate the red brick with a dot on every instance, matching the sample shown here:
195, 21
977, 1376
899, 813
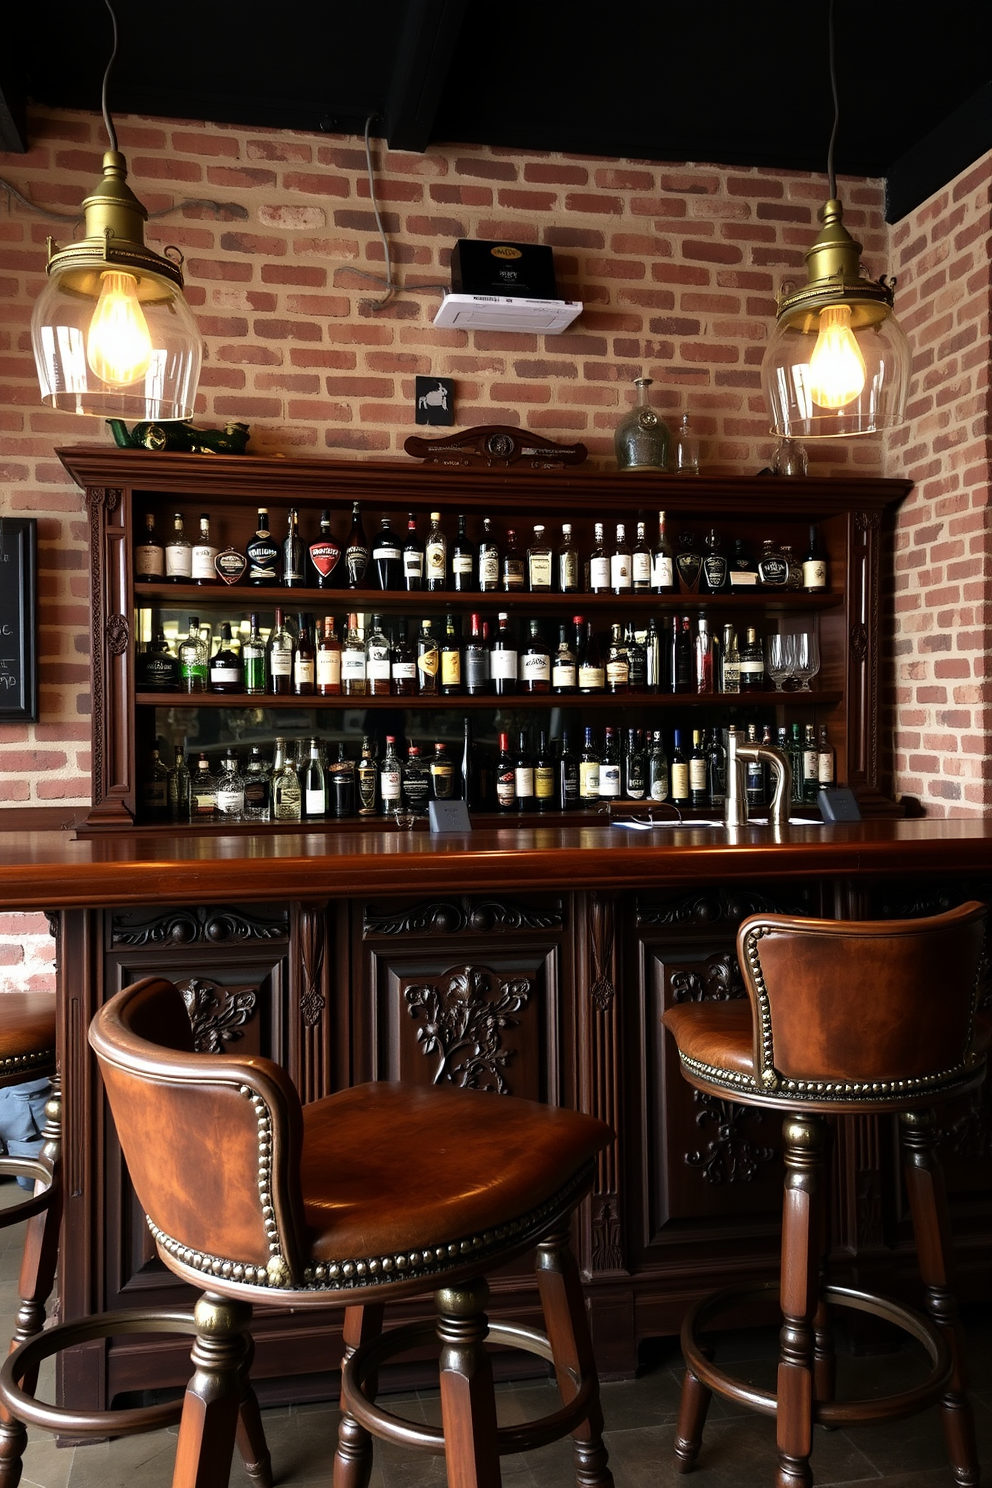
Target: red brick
555, 173
587, 201
484, 169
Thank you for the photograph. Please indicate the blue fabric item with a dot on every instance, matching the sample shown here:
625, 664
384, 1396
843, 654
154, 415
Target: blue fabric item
22, 1117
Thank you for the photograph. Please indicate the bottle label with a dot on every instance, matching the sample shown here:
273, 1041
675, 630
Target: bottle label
377, 667
451, 668
503, 665
620, 577
224, 674
599, 573
413, 565
751, 669
313, 801
476, 667
281, 662
662, 571
325, 557
814, 574
389, 554
434, 555
811, 764
617, 673
680, 782
230, 800
513, 573
715, 570
588, 779
461, 565
568, 571
195, 672
389, 784
635, 788
659, 784
592, 679
506, 787
303, 671
202, 562
262, 558
609, 780
149, 562
773, 570
353, 666
442, 779
328, 668
697, 775
230, 565
825, 768
536, 666
428, 662
640, 567
523, 780
204, 802
257, 794
416, 785
178, 563
544, 782
488, 568
367, 793
564, 674
404, 671
731, 676
539, 565
356, 561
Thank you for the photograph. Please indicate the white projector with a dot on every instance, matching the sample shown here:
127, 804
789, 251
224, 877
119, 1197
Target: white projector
473, 312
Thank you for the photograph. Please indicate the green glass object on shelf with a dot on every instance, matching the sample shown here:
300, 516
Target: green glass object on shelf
642, 440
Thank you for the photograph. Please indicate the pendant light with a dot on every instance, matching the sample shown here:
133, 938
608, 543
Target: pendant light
111, 332
838, 361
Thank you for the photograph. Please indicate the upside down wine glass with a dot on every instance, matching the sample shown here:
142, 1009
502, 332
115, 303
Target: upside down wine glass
807, 659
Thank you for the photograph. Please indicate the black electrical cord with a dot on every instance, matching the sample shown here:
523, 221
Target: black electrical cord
831, 179
107, 120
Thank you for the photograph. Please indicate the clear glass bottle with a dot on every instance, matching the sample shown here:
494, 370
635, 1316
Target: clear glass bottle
752, 663
416, 781
304, 658
513, 572
568, 562
387, 557
463, 561
324, 554
328, 663
354, 677
789, 458
356, 551
378, 661
436, 555
292, 552
621, 577
599, 563
178, 553
535, 662
428, 661
539, 562
403, 663
490, 560
280, 657
413, 558
202, 555
313, 785
258, 786
703, 656
642, 440
686, 448
225, 672
262, 553
149, 555
662, 562
730, 662
391, 779
203, 792
286, 799
253, 660
652, 657
367, 779
230, 788
193, 667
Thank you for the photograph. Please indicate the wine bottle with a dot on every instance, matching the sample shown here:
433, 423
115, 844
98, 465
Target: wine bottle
387, 559
428, 661
544, 776
662, 561
149, 555
752, 663
155, 790
490, 560
588, 771
476, 661
634, 783
403, 664
523, 776
637, 660
568, 562
814, 565
262, 553
599, 563
617, 664
413, 557
202, 555
679, 773
313, 803
825, 770
535, 663
436, 555
463, 561
469, 775
513, 568
592, 672
292, 552
328, 665
178, 553
621, 578
811, 767
568, 776
324, 554
341, 784
354, 673
367, 779
304, 658
503, 660
640, 562
280, 658
716, 769
506, 777
391, 779
451, 659
564, 669
683, 671
698, 772
609, 767
659, 782
356, 550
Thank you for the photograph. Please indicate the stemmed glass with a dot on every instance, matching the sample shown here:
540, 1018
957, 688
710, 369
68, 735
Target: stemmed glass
807, 660
778, 658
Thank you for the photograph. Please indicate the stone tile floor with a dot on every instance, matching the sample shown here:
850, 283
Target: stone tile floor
738, 1447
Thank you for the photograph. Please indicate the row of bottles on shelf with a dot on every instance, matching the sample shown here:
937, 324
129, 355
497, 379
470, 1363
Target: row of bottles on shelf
303, 782
296, 657
625, 564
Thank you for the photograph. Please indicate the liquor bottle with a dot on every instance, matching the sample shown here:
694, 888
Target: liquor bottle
180, 789
773, 569
698, 772
609, 767
258, 786
825, 769
253, 660
313, 785
634, 780
391, 779
280, 658
503, 659
340, 776
715, 566
155, 790
475, 658
539, 563
703, 656
568, 562
413, 557
292, 552
470, 783
637, 660
811, 767
451, 659
356, 550
659, 782
544, 776
367, 774
225, 672
523, 776
642, 439
490, 560
202, 555
513, 568
324, 554
683, 664
662, 562
814, 565
328, 665
436, 555
403, 664
506, 777
178, 553
229, 565
463, 561
652, 657
428, 661
304, 658
681, 793
592, 672
442, 773
535, 663
568, 776
193, 659
621, 577
262, 553
640, 562
752, 662
599, 563
230, 788
157, 667
564, 670
688, 564
730, 662
742, 569
588, 771
794, 749
754, 774
203, 792
149, 555
686, 460
378, 661
416, 782
387, 558
716, 769
354, 674
617, 664
286, 800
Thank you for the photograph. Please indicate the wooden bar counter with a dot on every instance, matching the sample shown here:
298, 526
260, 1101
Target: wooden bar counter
535, 960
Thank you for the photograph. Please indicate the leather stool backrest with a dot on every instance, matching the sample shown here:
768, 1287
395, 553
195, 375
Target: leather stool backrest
856, 1008
212, 1142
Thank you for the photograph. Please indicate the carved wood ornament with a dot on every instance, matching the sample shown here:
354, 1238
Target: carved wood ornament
216, 1013
465, 1013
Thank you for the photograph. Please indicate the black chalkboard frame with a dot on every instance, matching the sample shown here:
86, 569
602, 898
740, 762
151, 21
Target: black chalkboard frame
18, 620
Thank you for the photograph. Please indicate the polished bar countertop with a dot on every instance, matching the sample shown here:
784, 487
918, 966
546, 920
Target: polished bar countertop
55, 870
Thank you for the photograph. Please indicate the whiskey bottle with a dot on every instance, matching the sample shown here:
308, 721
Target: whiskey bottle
262, 553
340, 776
506, 777
698, 772
202, 555
149, 555
811, 767
428, 661
416, 782
715, 566
292, 552
442, 774
155, 790
742, 570
475, 658
324, 554
773, 569
354, 674
716, 766
617, 664
286, 803
503, 660
387, 559
225, 673
564, 671
688, 564
280, 659
568, 562
599, 563
658, 773
304, 658
230, 789
523, 776
258, 786
588, 771
814, 565
230, 566
193, 659
513, 569
178, 553
403, 664
378, 661
356, 550
490, 560
180, 789
539, 563
621, 578
436, 555
367, 776
413, 557
662, 562
253, 661
157, 667
203, 792
328, 662
637, 660
825, 768
463, 560
752, 663
451, 659
681, 794
592, 672
609, 767
544, 776
568, 776
391, 779
730, 662
535, 663
634, 782
640, 563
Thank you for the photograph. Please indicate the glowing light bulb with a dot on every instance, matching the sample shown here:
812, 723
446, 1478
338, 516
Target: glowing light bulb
118, 347
836, 368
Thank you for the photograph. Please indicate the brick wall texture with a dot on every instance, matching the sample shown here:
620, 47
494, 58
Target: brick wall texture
677, 266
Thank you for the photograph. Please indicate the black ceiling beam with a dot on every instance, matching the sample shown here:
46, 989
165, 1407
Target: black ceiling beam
423, 60
959, 140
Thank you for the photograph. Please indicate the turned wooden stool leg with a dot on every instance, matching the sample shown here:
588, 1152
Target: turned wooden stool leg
568, 1331
468, 1399
353, 1458
931, 1227
824, 1358
212, 1402
250, 1436
804, 1141
693, 1406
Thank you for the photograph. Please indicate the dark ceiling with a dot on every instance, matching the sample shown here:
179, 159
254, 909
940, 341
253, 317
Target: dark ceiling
708, 82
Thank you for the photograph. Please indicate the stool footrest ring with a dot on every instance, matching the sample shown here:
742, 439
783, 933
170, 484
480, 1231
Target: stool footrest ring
523, 1437
825, 1412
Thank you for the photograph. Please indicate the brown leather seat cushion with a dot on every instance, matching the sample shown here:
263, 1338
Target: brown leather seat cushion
389, 1167
715, 1033
27, 1027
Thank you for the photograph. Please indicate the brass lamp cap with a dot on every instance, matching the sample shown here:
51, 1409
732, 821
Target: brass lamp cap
833, 269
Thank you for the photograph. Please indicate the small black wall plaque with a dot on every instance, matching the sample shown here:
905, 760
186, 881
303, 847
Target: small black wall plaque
18, 599
435, 400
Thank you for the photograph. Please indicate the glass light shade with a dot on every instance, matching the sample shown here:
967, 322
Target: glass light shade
792, 380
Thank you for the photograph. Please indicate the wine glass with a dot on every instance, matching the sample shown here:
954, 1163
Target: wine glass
807, 662
778, 662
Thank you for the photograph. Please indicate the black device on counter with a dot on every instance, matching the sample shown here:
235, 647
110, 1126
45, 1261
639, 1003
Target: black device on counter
838, 803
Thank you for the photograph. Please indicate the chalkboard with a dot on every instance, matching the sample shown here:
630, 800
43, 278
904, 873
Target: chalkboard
18, 600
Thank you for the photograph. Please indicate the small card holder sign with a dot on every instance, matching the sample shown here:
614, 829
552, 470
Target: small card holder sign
449, 816
838, 803
18, 605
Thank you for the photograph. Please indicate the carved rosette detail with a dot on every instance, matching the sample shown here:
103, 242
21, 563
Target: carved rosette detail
729, 1156
118, 634
187, 926
216, 1014
454, 916
719, 906
464, 1015
719, 981
311, 942
858, 642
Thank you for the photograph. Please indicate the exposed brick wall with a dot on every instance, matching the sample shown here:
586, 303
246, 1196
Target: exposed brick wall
27, 954
938, 711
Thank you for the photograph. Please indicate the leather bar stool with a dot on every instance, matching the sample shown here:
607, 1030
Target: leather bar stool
378, 1192
842, 1018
